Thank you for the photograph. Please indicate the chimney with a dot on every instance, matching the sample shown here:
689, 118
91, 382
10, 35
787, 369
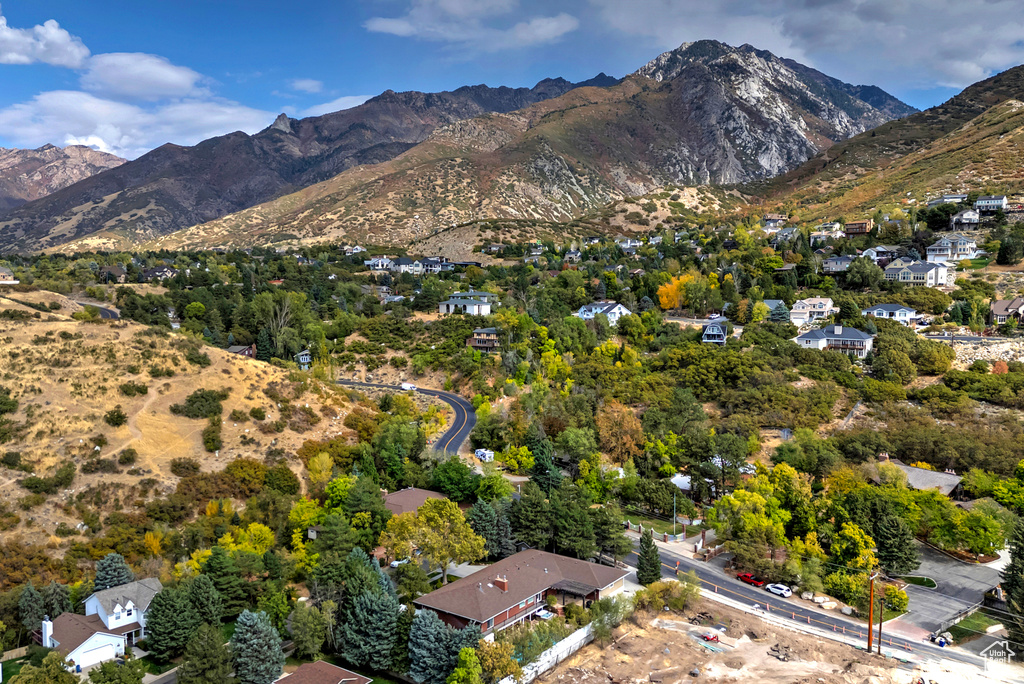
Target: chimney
480, 586
838, 329
47, 632
501, 583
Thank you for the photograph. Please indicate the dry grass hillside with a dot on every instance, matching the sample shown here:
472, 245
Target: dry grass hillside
66, 375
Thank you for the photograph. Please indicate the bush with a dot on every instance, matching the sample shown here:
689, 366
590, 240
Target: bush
197, 358
238, 416
160, 372
99, 465
202, 403
115, 417
896, 599
12, 460
61, 479
211, 436
128, 456
134, 389
183, 467
257, 413
280, 478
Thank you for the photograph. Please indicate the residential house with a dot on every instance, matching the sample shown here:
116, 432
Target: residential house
408, 500
494, 248
952, 248
515, 589
990, 204
322, 672
948, 483
7, 276
773, 222
917, 273
837, 264
465, 305
484, 339
248, 351
573, 256
655, 240
158, 273
114, 620
485, 455
715, 333
483, 295
812, 309
881, 254
592, 240
784, 235
1002, 310
968, 218
112, 274
947, 199
353, 249
407, 265
837, 338
862, 227
628, 243
818, 236
536, 250
305, 359
894, 312
613, 310
393, 299
772, 304
531, 260
380, 263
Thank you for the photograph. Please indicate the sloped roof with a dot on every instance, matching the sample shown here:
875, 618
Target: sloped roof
829, 332
528, 573
409, 499
922, 478
322, 672
139, 592
889, 307
1004, 307
71, 630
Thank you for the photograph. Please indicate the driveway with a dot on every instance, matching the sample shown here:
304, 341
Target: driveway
959, 585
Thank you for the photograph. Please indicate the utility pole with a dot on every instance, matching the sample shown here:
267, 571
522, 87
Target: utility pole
881, 617
871, 610
673, 514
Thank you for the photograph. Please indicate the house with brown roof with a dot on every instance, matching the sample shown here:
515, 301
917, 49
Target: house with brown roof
516, 589
1002, 310
947, 483
409, 499
862, 227
321, 672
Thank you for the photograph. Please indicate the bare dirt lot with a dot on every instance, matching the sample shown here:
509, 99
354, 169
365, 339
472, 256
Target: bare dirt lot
670, 649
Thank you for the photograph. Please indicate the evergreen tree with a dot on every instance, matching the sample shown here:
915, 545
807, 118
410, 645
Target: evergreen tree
308, 629
264, 350
131, 671
227, 580
31, 608
412, 581
207, 659
205, 600
366, 632
429, 648
403, 627
648, 565
257, 650
571, 523
57, 598
531, 517
544, 472
506, 542
112, 571
170, 623
896, 552
272, 565
1012, 576
484, 521
780, 314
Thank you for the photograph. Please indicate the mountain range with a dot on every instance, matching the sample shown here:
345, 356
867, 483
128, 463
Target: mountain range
27, 175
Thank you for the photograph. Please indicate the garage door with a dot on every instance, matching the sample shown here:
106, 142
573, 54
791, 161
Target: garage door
98, 655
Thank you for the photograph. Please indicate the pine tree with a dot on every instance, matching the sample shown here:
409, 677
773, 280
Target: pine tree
112, 571
570, 519
896, 552
227, 580
429, 648
780, 314
403, 627
264, 350
648, 565
57, 598
484, 521
1012, 576
366, 632
506, 542
272, 565
170, 623
31, 608
530, 517
308, 629
257, 650
544, 472
207, 660
205, 600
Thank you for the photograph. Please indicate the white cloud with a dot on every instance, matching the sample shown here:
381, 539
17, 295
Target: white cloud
129, 130
47, 43
345, 102
306, 85
898, 44
138, 76
470, 24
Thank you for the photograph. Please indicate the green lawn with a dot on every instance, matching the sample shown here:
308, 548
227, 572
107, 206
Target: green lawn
156, 668
659, 526
968, 628
926, 582
980, 263
13, 667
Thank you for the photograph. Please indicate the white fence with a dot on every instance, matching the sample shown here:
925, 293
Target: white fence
554, 655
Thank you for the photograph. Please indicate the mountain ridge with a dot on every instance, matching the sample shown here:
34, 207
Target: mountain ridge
29, 174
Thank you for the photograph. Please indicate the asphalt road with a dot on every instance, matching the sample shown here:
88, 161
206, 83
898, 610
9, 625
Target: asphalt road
966, 338
712, 577
465, 415
104, 312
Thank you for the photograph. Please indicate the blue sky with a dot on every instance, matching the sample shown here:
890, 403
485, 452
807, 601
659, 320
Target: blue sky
129, 76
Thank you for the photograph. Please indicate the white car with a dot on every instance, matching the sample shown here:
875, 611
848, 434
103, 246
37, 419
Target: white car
396, 563
780, 590
408, 387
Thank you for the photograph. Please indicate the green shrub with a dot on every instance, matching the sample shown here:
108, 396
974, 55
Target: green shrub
12, 460
211, 436
61, 479
100, 465
280, 478
128, 456
257, 413
197, 358
134, 389
160, 372
183, 466
202, 403
238, 416
115, 417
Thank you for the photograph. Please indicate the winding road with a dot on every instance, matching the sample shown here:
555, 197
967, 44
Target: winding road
104, 312
465, 415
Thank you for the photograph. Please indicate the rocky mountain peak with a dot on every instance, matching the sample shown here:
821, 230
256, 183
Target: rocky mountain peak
282, 123
26, 175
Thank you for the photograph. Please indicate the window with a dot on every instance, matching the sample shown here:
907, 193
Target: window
522, 604
129, 612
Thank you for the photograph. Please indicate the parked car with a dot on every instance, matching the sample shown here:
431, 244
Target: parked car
780, 590
396, 563
750, 578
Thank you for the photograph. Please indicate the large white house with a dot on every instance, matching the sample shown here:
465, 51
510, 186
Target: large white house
465, 305
989, 204
917, 273
880, 254
114, 620
965, 218
808, 310
895, 312
613, 310
837, 338
952, 248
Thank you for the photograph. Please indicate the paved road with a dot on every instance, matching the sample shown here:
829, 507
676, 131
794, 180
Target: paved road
104, 312
712, 576
966, 338
958, 586
465, 415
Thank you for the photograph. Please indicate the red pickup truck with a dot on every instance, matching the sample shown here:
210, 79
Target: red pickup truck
749, 578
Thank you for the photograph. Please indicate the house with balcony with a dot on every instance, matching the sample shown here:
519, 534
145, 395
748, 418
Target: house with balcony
771, 223
612, 310
380, 263
812, 309
952, 249
114, 620
837, 338
990, 204
484, 339
862, 227
882, 255
917, 273
968, 218
893, 312
515, 589
837, 264
715, 333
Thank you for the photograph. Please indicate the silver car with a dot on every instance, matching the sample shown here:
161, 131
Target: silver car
780, 590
